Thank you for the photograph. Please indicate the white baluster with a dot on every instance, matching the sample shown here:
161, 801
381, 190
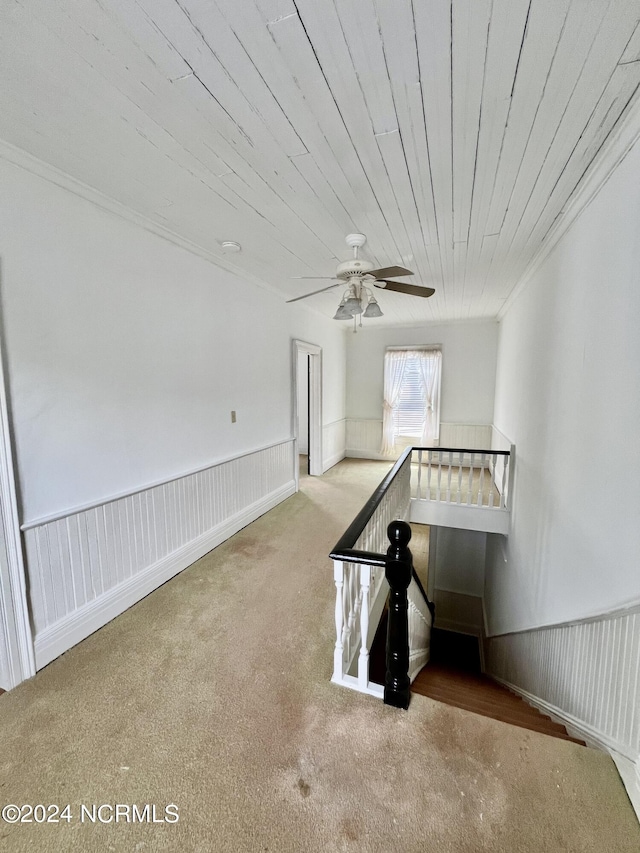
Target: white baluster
494, 457
439, 479
505, 463
429, 458
419, 491
348, 599
470, 485
459, 492
481, 486
449, 478
363, 659
338, 653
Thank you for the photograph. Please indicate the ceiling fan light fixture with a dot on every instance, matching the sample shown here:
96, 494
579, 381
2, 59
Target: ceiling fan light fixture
353, 306
373, 309
341, 313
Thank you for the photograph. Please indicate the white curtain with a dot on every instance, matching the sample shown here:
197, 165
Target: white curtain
394, 366
431, 366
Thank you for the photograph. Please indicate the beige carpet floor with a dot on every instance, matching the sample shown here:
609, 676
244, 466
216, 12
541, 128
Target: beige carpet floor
213, 694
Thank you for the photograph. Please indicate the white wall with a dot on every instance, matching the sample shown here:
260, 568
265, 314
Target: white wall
468, 368
567, 395
126, 354
307, 326
459, 561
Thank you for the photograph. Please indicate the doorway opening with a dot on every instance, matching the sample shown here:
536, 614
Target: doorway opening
307, 408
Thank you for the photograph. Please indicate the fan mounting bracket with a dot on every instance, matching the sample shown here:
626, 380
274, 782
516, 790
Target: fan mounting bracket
355, 240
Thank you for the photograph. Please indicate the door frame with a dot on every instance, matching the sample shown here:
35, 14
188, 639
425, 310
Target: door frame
15, 624
315, 404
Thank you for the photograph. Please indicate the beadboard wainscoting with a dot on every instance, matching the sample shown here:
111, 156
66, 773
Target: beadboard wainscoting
86, 567
364, 437
587, 675
334, 438
471, 436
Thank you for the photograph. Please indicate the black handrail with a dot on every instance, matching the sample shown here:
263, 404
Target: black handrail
465, 450
344, 549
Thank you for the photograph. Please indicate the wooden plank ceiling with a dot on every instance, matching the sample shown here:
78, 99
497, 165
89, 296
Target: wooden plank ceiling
451, 132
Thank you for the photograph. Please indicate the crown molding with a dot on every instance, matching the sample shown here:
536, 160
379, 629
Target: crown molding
613, 151
24, 160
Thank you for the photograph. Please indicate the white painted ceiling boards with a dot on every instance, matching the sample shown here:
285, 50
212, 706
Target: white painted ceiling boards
451, 132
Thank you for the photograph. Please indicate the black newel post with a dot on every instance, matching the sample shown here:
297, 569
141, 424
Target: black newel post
398, 571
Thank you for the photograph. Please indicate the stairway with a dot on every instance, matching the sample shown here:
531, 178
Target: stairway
453, 677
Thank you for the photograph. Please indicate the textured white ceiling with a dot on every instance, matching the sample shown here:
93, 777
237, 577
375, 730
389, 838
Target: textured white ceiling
451, 133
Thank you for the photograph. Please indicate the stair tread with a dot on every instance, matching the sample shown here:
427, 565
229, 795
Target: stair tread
515, 708
494, 709
530, 723
453, 677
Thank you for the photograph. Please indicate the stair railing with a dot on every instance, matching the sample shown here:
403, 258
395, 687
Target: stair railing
473, 478
361, 570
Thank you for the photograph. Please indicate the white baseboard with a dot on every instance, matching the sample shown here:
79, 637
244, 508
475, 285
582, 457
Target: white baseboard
630, 775
76, 626
368, 454
626, 762
332, 460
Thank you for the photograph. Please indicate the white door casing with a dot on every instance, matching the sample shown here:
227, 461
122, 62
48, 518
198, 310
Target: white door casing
17, 660
315, 402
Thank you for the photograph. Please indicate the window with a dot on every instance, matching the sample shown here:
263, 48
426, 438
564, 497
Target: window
411, 410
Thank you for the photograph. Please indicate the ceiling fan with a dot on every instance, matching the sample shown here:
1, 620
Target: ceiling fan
358, 299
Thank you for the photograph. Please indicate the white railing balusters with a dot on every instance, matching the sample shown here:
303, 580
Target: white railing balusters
460, 477
494, 457
481, 483
505, 465
470, 483
348, 609
338, 653
363, 660
361, 588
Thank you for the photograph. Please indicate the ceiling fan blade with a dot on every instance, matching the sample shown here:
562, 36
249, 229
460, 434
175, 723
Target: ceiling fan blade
411, 289
313, 292
323, 277
387, 271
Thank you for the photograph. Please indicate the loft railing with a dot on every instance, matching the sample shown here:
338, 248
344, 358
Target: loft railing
468, 477
454, 487
457, 487
372, 554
